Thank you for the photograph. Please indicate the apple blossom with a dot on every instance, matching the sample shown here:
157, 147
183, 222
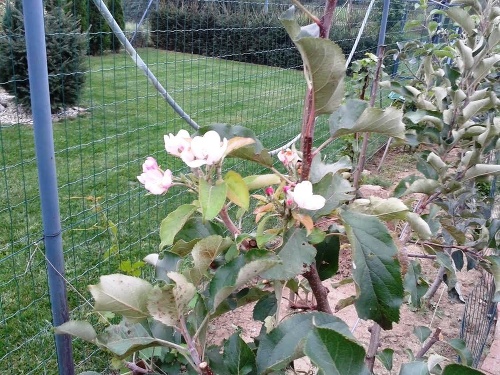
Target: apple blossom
153, 178
205, 150
176, 144
288, 157
303, 196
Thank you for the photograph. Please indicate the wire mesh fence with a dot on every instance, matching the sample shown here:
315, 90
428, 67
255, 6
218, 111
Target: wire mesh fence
117, 119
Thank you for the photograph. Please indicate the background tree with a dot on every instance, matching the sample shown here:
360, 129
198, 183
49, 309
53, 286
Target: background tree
65, 45
99, 32
116, 9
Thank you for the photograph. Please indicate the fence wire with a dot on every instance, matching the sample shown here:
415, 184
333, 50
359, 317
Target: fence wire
118, 119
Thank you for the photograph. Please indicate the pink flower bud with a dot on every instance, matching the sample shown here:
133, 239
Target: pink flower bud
269, 190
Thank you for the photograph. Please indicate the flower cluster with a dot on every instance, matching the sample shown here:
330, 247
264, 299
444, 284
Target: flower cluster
208, 149
302, 195
153, 178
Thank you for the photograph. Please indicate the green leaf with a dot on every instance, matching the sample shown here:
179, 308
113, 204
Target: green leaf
204, 253
320, 169
238, 272
296, 254
423, 185
265, 307
167, 304
335, 189
238, 357
261, 181
462, 350
419, 225
78, 328
493, 266
324, 65
286, 341
335, 354
126, 338
174, 222
414, 283
168, 263
414, 368
387, 121
327, 257
195, 228
458, 259
237, 190
241, 298
456, 369
462, 18
422, 333
386, 358
376, 272
384, 209
212, 198
347, 115
404, 184
481, 170
122, 294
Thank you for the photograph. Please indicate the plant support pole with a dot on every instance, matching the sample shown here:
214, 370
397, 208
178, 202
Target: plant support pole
47, 177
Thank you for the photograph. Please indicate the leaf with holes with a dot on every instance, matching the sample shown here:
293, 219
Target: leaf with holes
167, 304
376, 272
123, 295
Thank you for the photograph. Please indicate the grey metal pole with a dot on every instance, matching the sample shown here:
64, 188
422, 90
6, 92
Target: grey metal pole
383, 25
47, 177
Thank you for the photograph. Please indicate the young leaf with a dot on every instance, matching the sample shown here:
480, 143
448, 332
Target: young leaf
238, 357
458, 259
169, 303
78, 328
327, 257
386, 358
462, 18
295, 253
422, 333
387, 121
212, 198
404, 184
121, 294
324, 65
261, 181
494, 268
335, 354
265, 307
320, 169
481, 170
419, 225
238, 272
335, 189
237, 190
462, 350
384, 209
286, 341
414, 368
376, 272
347, 115
456, 369
414, 284
195, 228
174, 222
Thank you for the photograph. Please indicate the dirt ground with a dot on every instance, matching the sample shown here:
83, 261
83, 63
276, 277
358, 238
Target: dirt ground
442, 313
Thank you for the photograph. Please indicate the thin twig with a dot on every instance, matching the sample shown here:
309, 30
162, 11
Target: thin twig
434, 338
373, 346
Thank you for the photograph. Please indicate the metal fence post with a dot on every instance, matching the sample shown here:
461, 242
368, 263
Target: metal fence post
47, 177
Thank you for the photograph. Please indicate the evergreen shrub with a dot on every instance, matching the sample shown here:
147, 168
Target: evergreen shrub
65, 47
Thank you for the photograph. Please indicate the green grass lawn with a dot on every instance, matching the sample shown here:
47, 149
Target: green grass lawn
98, 156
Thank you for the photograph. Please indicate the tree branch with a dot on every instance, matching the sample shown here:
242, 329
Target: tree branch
434, 338
319, 290
373, 346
